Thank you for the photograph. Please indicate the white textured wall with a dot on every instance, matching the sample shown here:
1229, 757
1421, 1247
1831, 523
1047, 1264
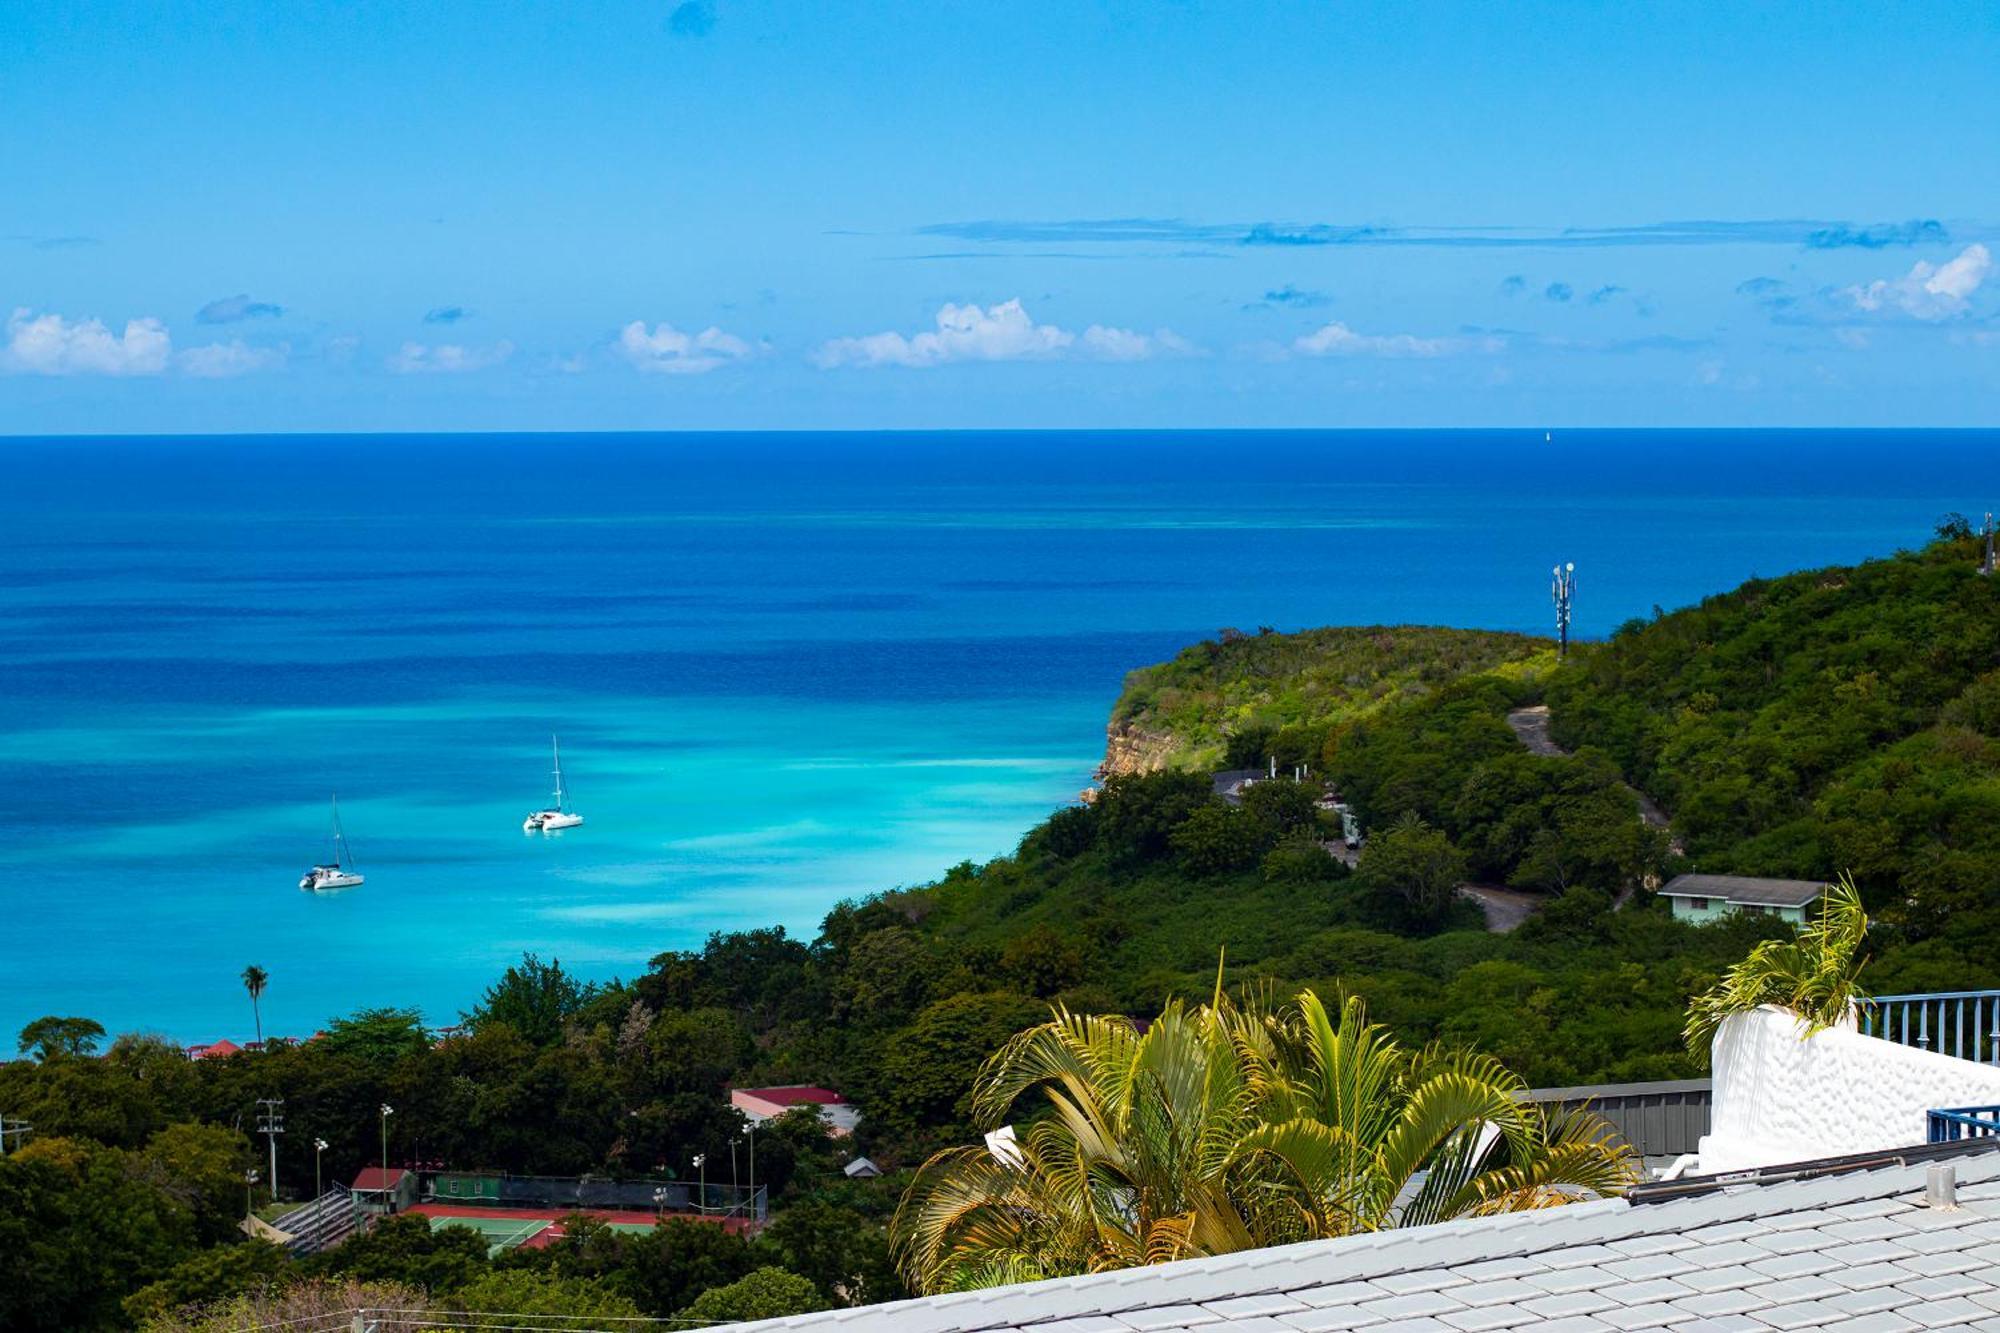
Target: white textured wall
1781, 1096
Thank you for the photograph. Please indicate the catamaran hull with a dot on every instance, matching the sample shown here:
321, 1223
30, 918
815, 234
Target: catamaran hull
320, 883
548, 821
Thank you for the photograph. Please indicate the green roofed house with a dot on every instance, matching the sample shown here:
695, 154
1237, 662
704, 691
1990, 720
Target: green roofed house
1701, 898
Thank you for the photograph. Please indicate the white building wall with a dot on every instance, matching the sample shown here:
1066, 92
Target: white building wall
1782, 1096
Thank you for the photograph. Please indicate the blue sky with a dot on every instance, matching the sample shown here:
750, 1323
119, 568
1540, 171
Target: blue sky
730, 213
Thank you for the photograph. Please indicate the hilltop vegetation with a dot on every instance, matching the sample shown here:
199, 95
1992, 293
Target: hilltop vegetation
1239, 699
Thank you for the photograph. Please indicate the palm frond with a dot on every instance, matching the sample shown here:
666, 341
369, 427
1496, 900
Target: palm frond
1817, 975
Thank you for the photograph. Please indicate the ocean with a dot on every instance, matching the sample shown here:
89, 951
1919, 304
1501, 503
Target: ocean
785, 669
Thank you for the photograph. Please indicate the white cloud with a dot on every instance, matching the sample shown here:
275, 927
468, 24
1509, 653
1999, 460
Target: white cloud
447, 358
1109, 344
1928, 291
668, 351
220, 361
1003, 332
1336, 339
52, 345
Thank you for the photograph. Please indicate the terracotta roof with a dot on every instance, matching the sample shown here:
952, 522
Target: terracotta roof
795, 1094
375, 1178
214, 1050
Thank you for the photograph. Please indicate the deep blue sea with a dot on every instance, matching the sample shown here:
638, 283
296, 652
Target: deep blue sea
786, 669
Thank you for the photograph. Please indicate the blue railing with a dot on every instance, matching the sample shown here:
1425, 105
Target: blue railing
1964, 1122
1962, 1023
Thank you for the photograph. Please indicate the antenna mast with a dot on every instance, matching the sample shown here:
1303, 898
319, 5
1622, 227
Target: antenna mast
1561, 591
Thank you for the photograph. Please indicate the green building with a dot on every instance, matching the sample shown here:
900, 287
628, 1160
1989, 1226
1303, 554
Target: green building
465, 1187
1701, 898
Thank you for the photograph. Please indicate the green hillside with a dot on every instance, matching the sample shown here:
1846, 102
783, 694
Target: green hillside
1842, 719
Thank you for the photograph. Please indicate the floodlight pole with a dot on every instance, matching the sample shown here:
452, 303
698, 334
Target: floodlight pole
1986, 565
1561, 591
319, 1147
387, 1111
701, 1166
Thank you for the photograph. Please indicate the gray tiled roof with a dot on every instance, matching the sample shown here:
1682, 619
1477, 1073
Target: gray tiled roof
1858, 1251
1746, 889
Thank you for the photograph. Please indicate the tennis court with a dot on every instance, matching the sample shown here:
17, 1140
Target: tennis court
533, 1228
500, 1230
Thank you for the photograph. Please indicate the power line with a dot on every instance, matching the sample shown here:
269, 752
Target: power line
271, 1123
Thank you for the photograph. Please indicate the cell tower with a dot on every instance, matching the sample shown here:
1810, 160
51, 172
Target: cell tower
1561, 591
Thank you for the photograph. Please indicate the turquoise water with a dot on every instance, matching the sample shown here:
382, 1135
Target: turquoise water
785, 669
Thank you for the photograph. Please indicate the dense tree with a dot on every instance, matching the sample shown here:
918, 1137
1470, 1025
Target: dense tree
376, 1035
406, 1248
534, 998
845, 1257
1416, 863
549, 1301
208, 1277
53, 1038
1217, 838
765, 1293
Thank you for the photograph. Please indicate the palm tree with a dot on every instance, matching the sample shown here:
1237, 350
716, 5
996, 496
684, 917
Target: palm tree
1816, 974
1226, 1128
254, 981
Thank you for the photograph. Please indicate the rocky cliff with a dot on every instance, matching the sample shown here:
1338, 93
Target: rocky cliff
1131, 748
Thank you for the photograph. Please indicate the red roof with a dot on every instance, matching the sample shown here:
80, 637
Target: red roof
796, 1094
375, 1178
215, 1050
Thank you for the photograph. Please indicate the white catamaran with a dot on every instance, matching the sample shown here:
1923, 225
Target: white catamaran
341, 874
558, 816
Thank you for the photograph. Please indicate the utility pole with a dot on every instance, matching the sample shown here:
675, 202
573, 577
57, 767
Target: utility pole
18, 1128
750, 1134
1561, 591
271, 1123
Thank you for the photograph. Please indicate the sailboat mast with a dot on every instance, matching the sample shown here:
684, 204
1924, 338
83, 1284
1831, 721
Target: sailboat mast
556, 746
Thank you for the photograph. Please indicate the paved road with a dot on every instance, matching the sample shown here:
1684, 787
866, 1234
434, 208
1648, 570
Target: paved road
1504, 908
1531, 725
